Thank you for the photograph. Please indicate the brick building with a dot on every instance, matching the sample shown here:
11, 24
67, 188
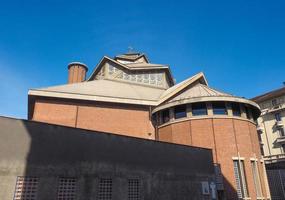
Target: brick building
128, 95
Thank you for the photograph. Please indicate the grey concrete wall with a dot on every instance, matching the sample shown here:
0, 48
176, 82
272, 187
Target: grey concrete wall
166, 171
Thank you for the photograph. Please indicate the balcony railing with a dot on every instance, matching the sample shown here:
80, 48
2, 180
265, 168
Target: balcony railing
274, 158
279, 124
280, 139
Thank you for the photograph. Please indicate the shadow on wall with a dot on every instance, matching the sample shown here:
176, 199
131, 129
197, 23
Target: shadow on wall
51, 161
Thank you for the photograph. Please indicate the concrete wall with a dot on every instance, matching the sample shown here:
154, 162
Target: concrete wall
229, 138
131, 120
166, 171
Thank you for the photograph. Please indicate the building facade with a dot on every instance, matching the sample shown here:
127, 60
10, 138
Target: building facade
271, 127
130, 96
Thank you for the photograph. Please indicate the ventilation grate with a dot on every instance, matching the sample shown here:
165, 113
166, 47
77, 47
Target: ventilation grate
26, 188
66, 189
105, 189
133, 189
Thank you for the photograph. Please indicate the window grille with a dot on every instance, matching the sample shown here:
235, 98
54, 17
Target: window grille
256, 178
111, 69
133, 189
146, 78
133, 77
240, 178
105, 189
26, 188
139, 78
66, 189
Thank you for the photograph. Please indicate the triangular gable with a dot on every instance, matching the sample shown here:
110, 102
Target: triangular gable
107, 59
171, 92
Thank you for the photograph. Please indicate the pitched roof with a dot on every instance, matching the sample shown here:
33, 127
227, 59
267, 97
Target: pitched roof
199, 90
180, 86
104, 90
269, 95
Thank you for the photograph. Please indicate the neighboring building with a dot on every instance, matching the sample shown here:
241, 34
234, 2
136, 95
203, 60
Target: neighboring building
272, 138
130, 96
271, 127
39, 161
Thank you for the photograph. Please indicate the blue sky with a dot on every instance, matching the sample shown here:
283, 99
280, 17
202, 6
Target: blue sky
239, 45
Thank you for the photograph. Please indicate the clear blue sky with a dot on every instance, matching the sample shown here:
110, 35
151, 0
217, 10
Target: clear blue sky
239, 45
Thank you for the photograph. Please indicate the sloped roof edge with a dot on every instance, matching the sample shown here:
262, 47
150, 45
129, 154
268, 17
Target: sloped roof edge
126, 58
63, 95
180, 86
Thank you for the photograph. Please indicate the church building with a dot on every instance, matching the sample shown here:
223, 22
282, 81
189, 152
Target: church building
128, 95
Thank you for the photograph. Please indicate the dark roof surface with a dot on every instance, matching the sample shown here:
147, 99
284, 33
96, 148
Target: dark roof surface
269, 95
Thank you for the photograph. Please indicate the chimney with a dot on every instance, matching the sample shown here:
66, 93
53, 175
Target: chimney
76, 72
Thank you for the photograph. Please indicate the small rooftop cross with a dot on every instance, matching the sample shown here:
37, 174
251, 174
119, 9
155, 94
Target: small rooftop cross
130, 49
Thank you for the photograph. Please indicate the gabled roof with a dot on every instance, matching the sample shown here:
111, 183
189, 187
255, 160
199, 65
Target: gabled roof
199, 90
145, 67
170, 92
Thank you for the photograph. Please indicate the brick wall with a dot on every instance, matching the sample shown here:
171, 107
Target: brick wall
226, 137
127, 120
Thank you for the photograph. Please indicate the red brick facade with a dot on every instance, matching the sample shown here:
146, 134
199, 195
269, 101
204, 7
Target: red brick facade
228, 138
121, 119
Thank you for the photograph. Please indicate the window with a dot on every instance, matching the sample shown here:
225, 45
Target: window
159, 79
274, 102
146, 78
283, 148
105, 189
256, 179
180, 111
152, 78
278, 117
133, 77
111, 69
66, 189
26, 188
247, 112
242, 191
133, 189
165, 116
236, 109
219, 108
261, 150
281, 131
126, 76
139, 78
199, 109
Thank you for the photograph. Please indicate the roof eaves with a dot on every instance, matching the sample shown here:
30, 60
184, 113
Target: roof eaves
269, 95
77, 96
